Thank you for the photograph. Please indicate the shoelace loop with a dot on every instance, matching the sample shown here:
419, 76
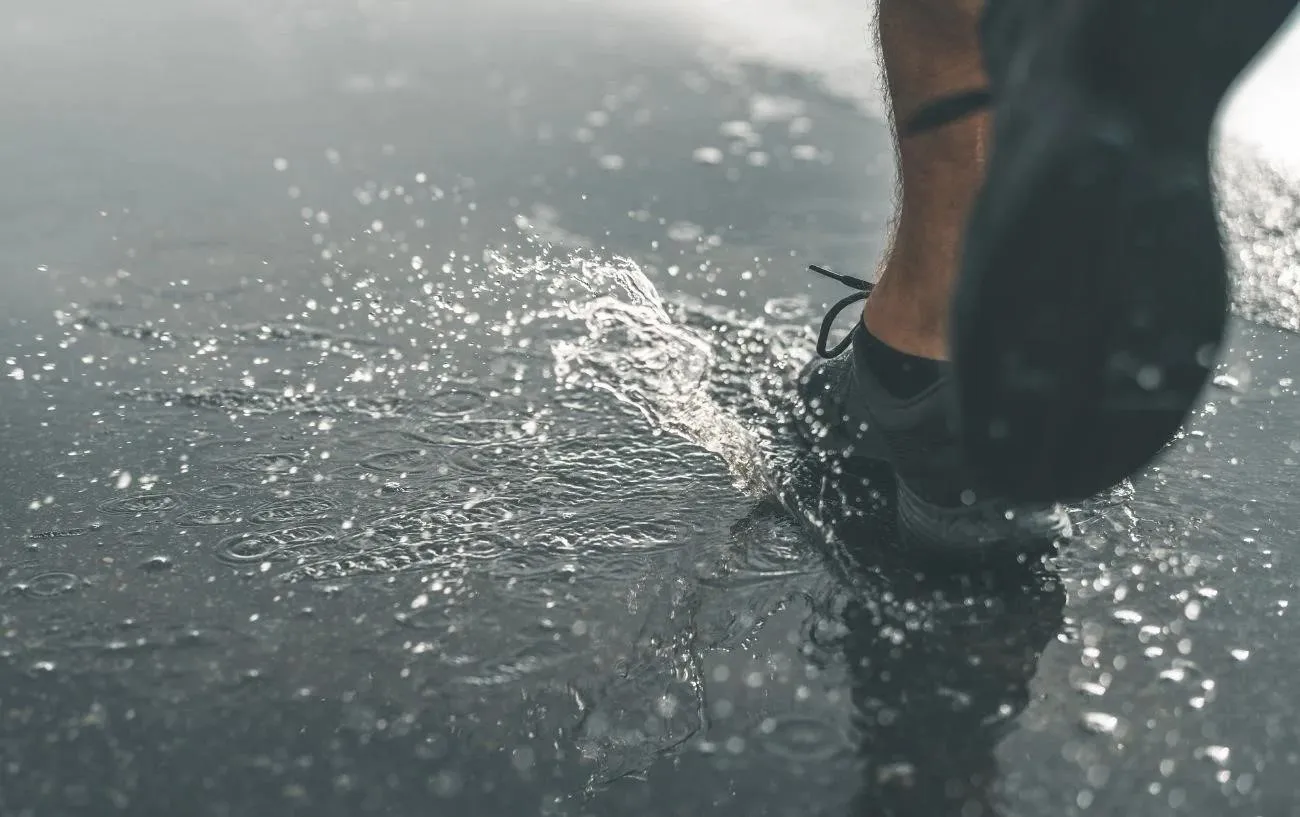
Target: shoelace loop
863, 290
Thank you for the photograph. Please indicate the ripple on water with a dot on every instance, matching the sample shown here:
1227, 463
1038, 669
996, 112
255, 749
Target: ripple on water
804, 739
481, 514
269, 463
603, 529
383, 405
461, 431
382, 561
64, 532
226, 400
287, 510
424, 522
431, 617
413, 523
247, 548
619, 570
404, 460
208, 517
453, 550
527, 563
439, 460
142, 503
222, 490
650, 533
464, 399
273, 545
473, 459
545, 653
48, 585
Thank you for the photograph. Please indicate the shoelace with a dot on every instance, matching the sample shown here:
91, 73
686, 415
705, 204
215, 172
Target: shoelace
828, 323
937, 114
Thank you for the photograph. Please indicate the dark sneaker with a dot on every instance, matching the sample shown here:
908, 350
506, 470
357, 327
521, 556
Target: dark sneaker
1092, 298
851, 419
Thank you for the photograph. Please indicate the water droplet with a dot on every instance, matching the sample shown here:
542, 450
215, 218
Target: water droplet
708, 156
1206, 354
805, 153
1236, 378
685, 232
1100, 723
1150, 377
522, 758
156, 564
666, 706
900, 771
786, 309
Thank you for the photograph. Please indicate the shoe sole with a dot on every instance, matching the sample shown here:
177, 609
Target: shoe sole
837, 506
979, 531
1093, 295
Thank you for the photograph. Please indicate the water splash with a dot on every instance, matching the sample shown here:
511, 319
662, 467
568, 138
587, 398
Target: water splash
634, 350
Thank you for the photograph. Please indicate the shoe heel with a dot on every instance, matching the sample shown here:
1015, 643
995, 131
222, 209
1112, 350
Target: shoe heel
978, 531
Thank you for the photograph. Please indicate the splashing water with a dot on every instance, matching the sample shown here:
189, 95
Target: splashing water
636, 351
596, 438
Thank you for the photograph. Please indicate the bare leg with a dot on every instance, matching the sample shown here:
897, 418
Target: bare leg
930, 48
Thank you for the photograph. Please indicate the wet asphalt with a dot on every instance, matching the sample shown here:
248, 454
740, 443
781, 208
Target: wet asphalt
210, 206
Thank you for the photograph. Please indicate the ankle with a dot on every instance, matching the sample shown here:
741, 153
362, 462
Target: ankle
910, 322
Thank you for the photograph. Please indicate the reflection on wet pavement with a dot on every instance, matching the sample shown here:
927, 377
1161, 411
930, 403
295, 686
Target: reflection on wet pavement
452, 476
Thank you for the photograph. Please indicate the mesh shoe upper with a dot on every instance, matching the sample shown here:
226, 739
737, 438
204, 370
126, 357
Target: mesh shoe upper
848, 413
